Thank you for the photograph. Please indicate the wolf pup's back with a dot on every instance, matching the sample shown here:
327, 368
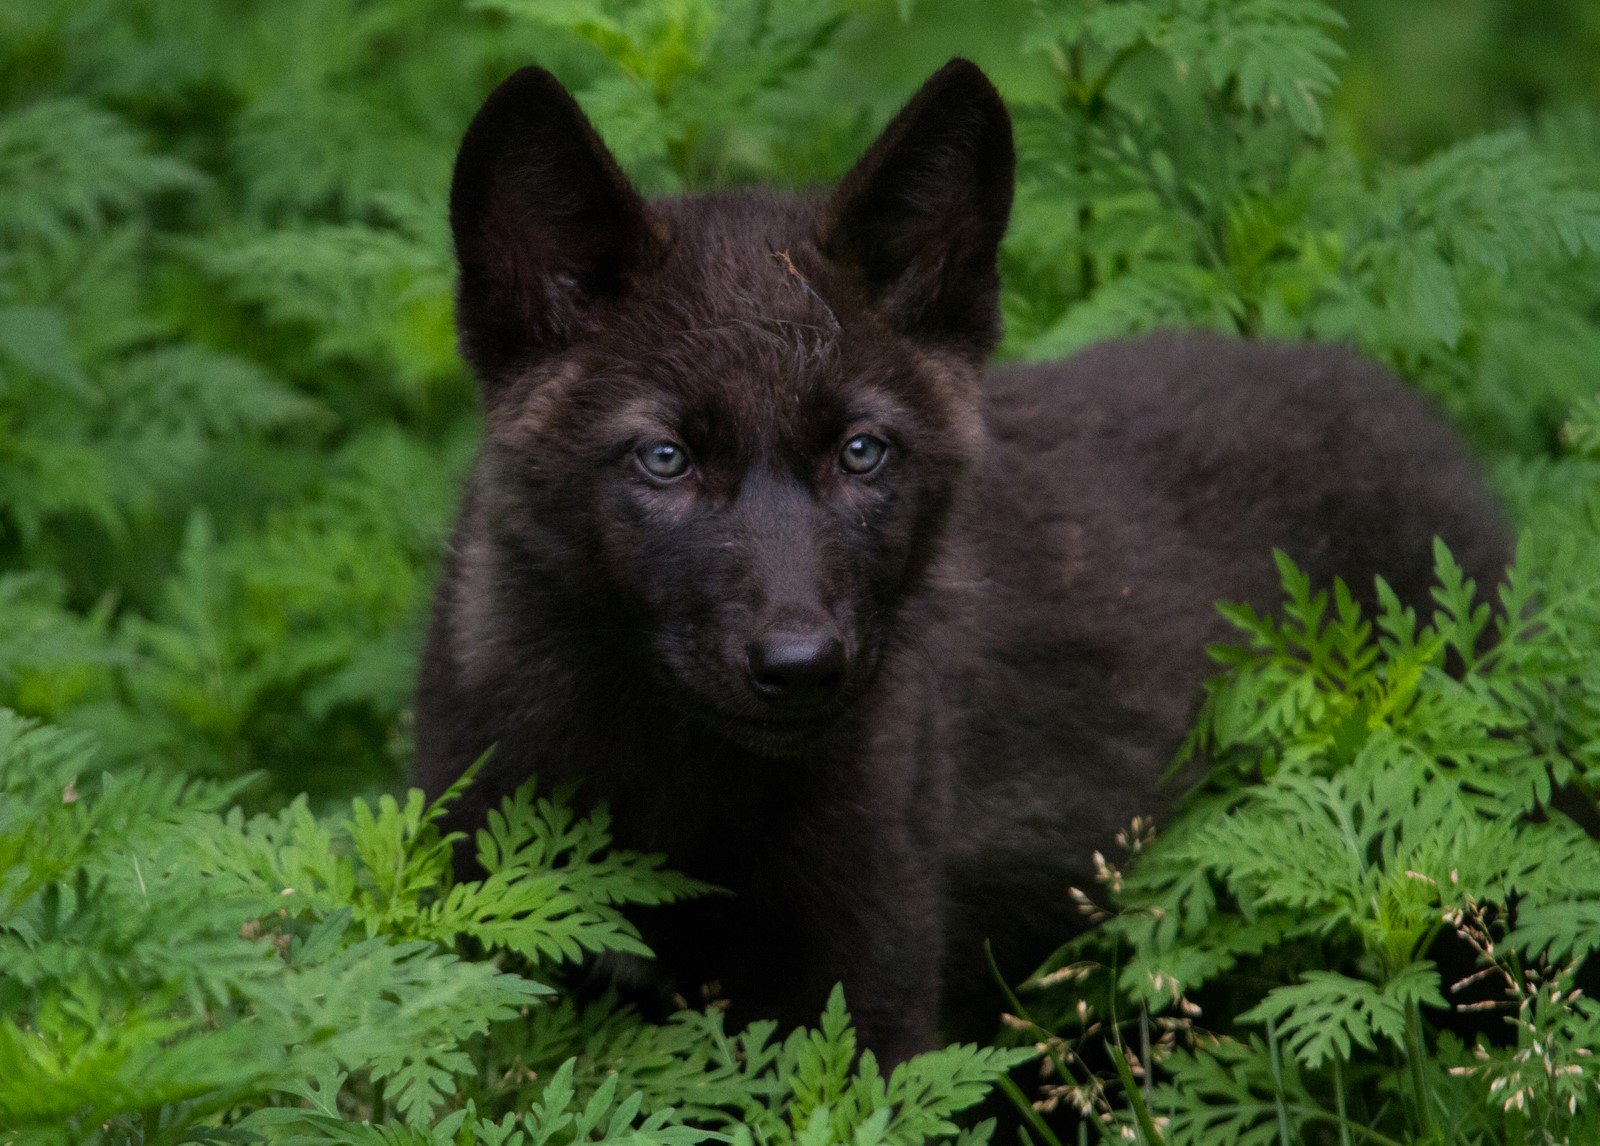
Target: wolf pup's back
757, 553
1121, 494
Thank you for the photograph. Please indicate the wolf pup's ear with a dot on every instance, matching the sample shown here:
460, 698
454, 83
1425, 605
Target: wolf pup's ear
920, 217
546, 226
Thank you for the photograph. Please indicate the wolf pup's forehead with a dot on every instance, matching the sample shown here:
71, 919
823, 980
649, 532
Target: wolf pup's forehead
730, 277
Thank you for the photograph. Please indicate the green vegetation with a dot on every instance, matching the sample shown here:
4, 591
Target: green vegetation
168, 967
232, 424
1361, 801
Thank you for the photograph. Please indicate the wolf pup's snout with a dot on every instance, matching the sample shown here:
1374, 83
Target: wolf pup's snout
796, 669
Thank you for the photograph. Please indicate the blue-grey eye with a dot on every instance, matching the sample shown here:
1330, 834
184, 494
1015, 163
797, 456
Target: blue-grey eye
663, 461
863, 454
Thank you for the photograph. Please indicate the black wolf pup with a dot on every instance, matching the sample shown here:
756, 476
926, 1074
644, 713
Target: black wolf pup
883, 643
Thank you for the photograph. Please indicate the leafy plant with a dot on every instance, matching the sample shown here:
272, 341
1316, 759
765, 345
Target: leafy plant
1364, 801
170, 972
233, 425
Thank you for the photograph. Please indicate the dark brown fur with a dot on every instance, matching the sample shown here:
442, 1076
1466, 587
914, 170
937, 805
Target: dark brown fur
1016, 603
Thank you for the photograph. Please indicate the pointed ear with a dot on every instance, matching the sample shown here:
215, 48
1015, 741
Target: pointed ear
546, 226
920, 217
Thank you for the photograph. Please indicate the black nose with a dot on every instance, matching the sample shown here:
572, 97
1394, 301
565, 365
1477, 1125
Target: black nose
796, 668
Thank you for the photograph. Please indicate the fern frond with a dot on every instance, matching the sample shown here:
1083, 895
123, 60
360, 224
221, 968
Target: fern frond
364, 290
184, 390
1232, 1093
66, 164
37, 339
1277, 52
1276, 55
1326, 1013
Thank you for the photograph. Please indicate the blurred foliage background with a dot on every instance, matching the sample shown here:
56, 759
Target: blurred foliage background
233, 426
233, 423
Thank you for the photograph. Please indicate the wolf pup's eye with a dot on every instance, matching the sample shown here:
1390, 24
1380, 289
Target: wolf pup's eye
863, 454
663, 461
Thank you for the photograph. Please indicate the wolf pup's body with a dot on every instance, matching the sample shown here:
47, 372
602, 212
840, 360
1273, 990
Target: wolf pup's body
882, 643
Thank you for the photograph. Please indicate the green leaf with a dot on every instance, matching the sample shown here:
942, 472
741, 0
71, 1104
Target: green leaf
1326, 1013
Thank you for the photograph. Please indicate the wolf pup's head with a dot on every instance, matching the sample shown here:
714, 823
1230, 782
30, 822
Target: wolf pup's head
725, 430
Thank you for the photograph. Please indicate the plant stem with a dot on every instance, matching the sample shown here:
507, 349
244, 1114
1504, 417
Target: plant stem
1415, 1058
1338, 1097
1149, 1135
1096, 91
1144, 1055
1025, 1108
1345, 1125
1274, 1057
1088, 108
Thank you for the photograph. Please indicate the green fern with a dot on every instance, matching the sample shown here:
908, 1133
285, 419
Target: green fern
1275, 54
67, 165
232, 428
368, 292
1327, 1013
687, 102
165, 965
1362, 802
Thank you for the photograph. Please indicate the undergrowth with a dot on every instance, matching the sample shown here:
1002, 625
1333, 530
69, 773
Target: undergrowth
232, 424
1370, 922
177, 972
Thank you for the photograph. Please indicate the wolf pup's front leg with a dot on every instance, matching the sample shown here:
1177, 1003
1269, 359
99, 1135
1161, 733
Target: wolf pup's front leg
725, 435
